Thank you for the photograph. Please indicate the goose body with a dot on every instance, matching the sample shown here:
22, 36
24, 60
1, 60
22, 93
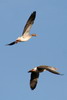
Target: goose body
37, 70
26, 32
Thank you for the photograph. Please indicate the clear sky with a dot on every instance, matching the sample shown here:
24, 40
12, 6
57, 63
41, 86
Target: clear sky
49, 48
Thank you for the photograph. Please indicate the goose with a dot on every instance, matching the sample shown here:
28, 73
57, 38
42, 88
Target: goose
37, 70
26, 32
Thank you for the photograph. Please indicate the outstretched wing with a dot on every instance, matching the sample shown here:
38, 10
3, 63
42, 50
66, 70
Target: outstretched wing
49, 68
12, 43
29, 23
34, 80
52, 70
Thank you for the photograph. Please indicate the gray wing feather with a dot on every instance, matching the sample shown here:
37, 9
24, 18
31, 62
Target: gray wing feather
34, 80
50, 69
29, 23
54, 71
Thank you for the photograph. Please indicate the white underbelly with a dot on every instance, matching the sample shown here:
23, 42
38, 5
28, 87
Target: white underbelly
25, 38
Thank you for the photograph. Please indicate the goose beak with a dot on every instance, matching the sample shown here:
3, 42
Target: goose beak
37, 35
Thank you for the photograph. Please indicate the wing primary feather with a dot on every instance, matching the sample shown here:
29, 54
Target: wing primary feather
34, 80
50, 69
12, 43
29, 23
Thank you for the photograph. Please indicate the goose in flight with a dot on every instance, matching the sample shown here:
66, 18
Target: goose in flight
35, 74
26, 32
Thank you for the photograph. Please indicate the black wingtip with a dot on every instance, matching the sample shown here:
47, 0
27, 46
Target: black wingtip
34, 12
32, 16
12, 43
60, 74
8, 45
32, 88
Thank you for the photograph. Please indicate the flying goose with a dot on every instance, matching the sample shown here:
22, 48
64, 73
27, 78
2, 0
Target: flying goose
26, 32
35, 74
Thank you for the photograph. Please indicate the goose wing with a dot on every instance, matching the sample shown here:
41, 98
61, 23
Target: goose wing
29, 23
12, 43
34, 80
49, 68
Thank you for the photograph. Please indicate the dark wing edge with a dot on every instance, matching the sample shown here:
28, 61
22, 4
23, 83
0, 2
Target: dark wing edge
54, 72
12, 43
29, 22
34, 80
50, 69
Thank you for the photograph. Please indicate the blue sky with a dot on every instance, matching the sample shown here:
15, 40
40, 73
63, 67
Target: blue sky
49, 48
